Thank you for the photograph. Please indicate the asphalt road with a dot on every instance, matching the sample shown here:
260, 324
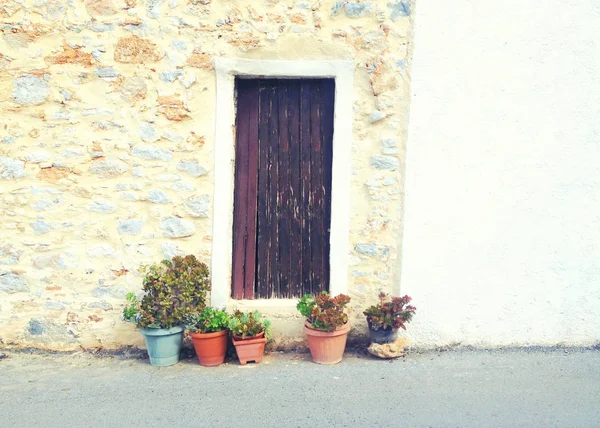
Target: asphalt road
512, 388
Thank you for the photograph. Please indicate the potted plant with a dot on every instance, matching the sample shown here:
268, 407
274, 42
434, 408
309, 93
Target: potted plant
387, 316
208, 330
326, 326
249, 333
172, 289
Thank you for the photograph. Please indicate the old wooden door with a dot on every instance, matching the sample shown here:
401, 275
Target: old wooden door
282, 200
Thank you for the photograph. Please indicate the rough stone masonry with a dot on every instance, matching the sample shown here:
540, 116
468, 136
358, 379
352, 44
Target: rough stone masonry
107, 137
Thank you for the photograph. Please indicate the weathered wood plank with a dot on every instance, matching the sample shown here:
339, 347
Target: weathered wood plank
262, 238
274, 268
241, 191
306, 200
284, 213
316, 213
252, 184
296, 285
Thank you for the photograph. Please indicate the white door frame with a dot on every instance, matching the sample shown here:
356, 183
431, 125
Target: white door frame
222, 241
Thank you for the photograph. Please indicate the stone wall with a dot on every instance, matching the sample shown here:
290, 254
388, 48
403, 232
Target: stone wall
106, 145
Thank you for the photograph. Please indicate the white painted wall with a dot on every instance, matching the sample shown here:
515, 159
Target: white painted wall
502, 209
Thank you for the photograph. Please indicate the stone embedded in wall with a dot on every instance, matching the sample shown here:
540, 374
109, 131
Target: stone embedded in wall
37, 157
172, 108
170, 76
352, 9
30, 90
50, 9
109, 292
55, 261
158, 197
383, 78
201, 60
150, 153
71, 55
11, 168
147, 132
192, 167
366, 249
399, 9
102, 250
183, 186
11, 282
130, 227
172, 136
21, 35
134, 50
9, 255
174, 227
133, 89
55, 306
102, 206
107, 72
198, 206
385, 162
376, 116
179, 45
102, 304
9, 7
373, 250
48, 203
100, 28
187, 80
108, 167
37, 327
53, 174
40, 227
100, 7
386, 101
153, 8
244, 41
170, 250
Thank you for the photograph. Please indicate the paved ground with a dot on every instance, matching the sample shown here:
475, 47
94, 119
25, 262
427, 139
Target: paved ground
535, 388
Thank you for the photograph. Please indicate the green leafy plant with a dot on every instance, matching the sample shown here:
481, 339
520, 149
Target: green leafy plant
172, 289
249, 324
391, 312
324, 312
210, 320
132, 308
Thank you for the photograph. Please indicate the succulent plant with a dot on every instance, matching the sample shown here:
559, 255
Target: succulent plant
391, 312
324, 312
249, 324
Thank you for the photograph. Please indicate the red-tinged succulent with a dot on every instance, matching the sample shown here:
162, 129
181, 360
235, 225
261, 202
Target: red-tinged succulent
390, 313
323, 311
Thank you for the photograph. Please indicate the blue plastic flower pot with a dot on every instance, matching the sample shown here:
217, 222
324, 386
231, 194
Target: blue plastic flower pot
163, 344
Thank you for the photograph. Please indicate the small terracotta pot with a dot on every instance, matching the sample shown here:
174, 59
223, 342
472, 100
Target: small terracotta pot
210, 347
326, 347
250, 349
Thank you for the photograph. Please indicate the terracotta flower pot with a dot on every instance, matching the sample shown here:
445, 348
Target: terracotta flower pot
326, 347
250, 349
210, 347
